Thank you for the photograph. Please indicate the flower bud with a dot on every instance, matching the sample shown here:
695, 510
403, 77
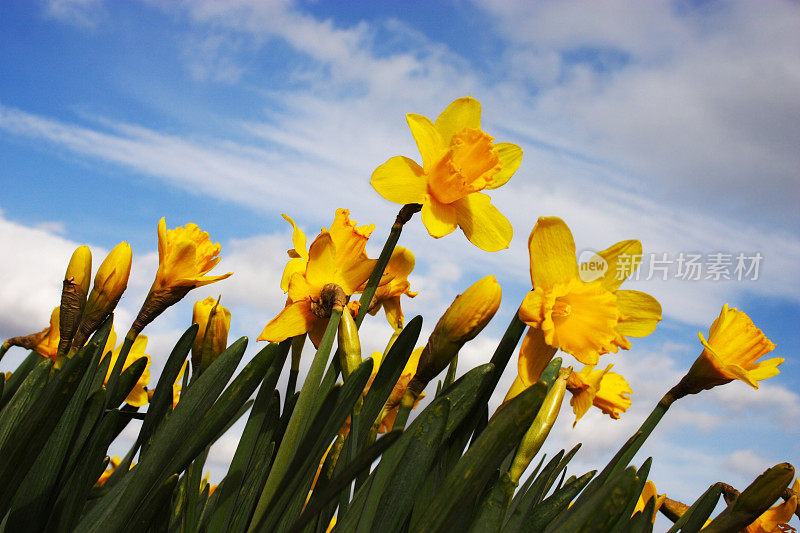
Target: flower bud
110, 282
73, 295
214, 323
464, 319
349, 344
541, 426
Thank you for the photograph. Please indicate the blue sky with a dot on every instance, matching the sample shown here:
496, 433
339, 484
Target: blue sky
674, 123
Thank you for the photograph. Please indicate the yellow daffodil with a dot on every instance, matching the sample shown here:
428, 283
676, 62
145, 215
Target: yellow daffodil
185, 255
734, 345
400, 265
458, 161
214, 323
337, 256
648, 492
50, 337
110, 282
606, 390
113, 463
584, 319
138, 396
775, 519
73, 295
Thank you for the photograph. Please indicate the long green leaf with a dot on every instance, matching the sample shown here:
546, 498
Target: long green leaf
476, 466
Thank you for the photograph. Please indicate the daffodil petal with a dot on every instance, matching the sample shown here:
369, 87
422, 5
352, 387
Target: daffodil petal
439, 219
394, 314
530, 311
516, 387
298, 238
510, 158
321, 260
461, 113
401, 262
534, 355
429, 142
294, 266
623, 259
552, 251
482, 223
295, 319
400, 180
640, 313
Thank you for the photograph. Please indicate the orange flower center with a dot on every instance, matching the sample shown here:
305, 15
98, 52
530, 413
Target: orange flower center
468, 166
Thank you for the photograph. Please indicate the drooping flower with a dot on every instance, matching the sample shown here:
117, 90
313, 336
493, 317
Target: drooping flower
458, 161
138, 396
214, 323
185, 255
583, 318
400, 265
734, 345
606, 390
648, 492
775, 519
337, 256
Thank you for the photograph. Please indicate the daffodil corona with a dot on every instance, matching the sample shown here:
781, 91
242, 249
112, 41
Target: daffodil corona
583, 318
458, 161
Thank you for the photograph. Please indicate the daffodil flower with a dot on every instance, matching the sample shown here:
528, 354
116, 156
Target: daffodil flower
50, 336
298, 255
458, 161
606, 390
584, 319
400, 265
734, 345
337, 256
185, 255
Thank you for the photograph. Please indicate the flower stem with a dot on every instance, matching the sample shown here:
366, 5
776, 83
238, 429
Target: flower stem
625, 454
405, 214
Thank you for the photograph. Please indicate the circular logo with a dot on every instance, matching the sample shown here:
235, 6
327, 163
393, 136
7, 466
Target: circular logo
591, 266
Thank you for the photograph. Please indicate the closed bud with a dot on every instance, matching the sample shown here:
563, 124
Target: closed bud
464, 319
349, 344
73, 295
541, 426
214, 323
110, 282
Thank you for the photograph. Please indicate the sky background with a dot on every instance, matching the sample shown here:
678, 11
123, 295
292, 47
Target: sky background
675, 123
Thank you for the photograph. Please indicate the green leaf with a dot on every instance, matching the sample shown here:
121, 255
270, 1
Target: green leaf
26, 395
156, 505
127, 381
301, 417
19, 375
533, 495
161, 402
494, 506
116, 508
601, 510
708, 499
25, 442
477, 465
542, 514
321, 497
641, 478
226, 494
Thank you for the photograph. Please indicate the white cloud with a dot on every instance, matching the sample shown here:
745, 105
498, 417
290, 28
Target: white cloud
80, 13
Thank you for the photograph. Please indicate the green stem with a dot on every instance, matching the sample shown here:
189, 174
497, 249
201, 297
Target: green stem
405, 214
625, 454
298, 423
3, 349
294, 371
